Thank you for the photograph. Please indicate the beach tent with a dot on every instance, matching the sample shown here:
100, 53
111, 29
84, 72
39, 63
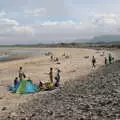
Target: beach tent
26, 86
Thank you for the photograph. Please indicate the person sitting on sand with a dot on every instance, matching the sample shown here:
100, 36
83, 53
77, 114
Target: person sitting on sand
21, 73
40, 85
93, 62
51, 75
57, 59
57, 78
15, 81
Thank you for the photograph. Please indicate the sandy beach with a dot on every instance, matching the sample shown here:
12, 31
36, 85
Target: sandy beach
37, 66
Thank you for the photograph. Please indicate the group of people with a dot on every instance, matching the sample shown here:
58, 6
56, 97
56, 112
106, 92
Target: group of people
22, 76
54, 81
110, 59
56, 59
53, 58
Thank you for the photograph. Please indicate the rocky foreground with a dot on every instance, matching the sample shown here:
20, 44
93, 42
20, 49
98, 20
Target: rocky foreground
95, 97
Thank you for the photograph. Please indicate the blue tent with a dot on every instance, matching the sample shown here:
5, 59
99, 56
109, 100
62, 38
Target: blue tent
25, 86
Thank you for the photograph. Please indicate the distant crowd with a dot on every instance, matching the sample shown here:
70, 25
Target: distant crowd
108, 60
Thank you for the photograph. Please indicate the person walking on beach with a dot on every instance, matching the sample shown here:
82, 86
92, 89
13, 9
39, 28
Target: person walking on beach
105, 61
21, 73
51, 75
93, 62
110, 58
57, 78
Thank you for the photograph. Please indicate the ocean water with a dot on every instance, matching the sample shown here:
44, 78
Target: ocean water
3, 56
32, 52
6, 52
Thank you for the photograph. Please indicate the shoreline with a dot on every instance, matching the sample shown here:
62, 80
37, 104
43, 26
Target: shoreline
22, 56
10, 59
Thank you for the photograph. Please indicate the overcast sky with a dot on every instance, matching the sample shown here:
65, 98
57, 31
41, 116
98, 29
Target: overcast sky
35, 21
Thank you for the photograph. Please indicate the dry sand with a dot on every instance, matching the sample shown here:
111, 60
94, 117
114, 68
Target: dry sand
37, 67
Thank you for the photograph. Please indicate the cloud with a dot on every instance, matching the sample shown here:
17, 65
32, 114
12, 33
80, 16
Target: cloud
99, 24
3, 13
23, 30
56, 30
6, 21
38, 12
14, 32
62, 30
108, 18
6, 26
46, 20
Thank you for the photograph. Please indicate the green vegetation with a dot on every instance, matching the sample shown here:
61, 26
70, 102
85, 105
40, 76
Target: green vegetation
72, 45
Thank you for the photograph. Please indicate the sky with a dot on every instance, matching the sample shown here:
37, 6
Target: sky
43, 21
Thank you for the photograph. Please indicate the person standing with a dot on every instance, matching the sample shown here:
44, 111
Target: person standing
51, 57
51, 75
105, 61
110, 58
93, 62
21, 73
57, 78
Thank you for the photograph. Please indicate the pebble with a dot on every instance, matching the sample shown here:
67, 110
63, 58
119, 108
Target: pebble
95, 98
4, 108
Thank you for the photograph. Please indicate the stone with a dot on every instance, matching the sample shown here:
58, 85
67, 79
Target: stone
33, 114
23, 118
50, 112
4, 108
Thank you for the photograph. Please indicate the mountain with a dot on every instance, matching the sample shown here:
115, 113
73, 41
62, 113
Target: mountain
99, 39
106, 38
82, 40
